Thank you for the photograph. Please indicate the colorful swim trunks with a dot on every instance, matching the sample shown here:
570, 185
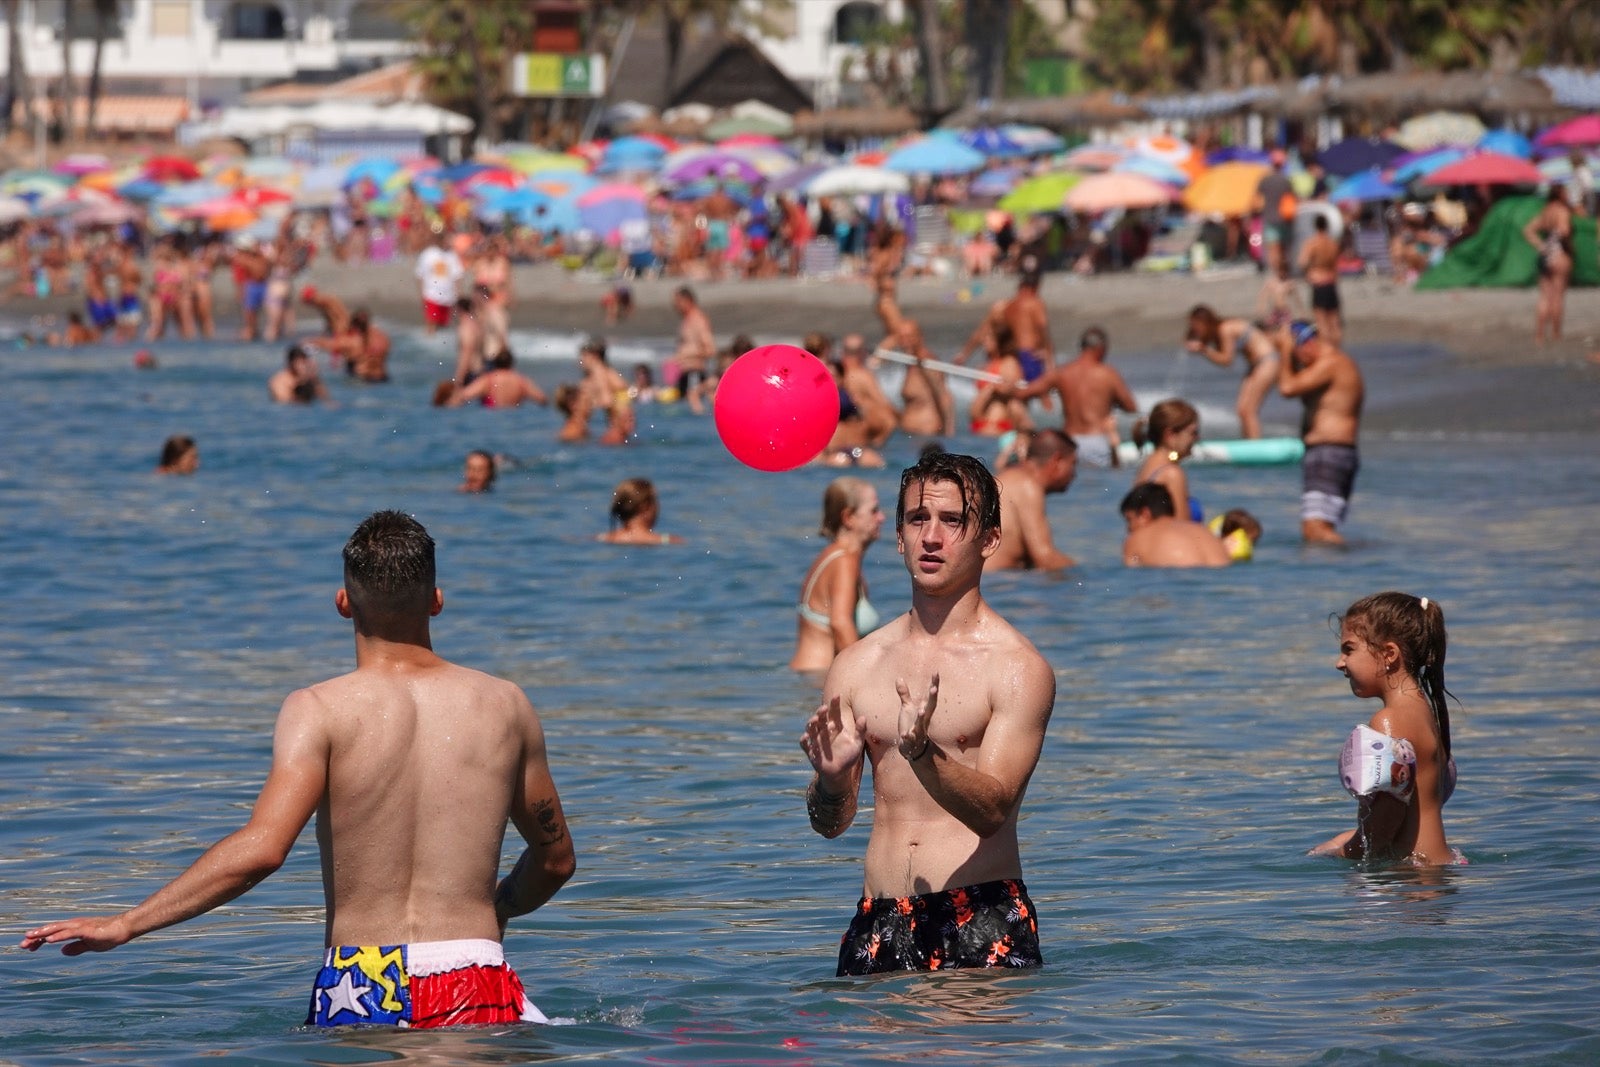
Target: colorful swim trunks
433, 983
988, 925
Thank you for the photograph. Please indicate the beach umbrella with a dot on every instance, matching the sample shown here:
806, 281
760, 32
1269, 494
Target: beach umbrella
270, 167
223, 213
712, 164
14, 209
997, 182
796, 179
458, 172
1486, 168
1035, 140
1355, 154
751, 140
81, 163
375, 169
1169, 149
531, 160
740, 192
1439, 128
1236, 154
493, 178
853, 179
606, 207
1559, 168
775, 125
1093, 157
1365, 187
1047, 192
559, 184
1104, 192
1506, 142
993, 142
170, 169
934, 155
1581, 132
1228, 189
109, 213
631, 153
1409, 168
1150, 167
34, 184
189, 194
259, 196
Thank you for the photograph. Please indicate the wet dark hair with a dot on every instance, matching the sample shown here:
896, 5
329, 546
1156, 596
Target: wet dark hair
980, 493
1418, 631
1240, 519
1148, 496
595, 346
1165, 417
175, 448
633, 496
389, 567
502, 360
295, 352
494, 468
1204, 325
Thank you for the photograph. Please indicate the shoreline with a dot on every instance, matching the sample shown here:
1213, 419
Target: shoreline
1493, 377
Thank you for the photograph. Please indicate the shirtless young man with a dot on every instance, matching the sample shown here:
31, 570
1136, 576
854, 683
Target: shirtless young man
1030, 329
297, 382
1090, 392
1025, 541
1157, 539
500, 386
949, 703
1329, 385
697, 347
417, 878
1319, 261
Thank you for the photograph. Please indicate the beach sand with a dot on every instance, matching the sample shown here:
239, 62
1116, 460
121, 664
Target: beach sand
1496, 379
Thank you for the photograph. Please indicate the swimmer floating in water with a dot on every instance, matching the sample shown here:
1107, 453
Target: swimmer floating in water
479, 473
179, 455
635, 508
1392, 648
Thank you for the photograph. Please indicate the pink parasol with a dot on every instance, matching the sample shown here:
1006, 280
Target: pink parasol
1103, 192
1581, 132
1486, 168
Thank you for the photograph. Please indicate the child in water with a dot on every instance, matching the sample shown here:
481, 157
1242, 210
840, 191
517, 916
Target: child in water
1392, 648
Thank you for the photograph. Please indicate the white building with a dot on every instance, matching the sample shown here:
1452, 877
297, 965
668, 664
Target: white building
815, 41
206, 52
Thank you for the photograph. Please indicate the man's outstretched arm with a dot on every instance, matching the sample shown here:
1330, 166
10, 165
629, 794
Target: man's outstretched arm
293, 789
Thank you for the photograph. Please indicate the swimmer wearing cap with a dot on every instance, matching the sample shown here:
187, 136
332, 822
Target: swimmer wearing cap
1329, 385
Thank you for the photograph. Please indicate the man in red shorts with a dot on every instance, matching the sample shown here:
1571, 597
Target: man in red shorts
439, 273
413, 766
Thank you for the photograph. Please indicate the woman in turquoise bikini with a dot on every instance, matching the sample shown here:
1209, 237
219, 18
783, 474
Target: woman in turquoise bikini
834, 610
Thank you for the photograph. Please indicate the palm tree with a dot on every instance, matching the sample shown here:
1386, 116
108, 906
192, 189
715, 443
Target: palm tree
104, 12
931, 51
18, 86
66, 72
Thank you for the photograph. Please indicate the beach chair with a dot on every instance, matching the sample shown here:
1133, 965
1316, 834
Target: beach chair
820, 259
1372, 245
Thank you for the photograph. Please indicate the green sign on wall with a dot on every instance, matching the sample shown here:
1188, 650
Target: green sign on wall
557, 74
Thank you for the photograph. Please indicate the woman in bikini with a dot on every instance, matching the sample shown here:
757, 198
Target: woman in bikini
834, 610
1172, 430
1222, 340
491, 280
1550, 233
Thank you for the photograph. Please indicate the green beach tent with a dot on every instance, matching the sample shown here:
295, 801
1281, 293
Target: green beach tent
1499, 257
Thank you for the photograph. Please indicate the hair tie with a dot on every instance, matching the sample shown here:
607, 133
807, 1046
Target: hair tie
1424, 603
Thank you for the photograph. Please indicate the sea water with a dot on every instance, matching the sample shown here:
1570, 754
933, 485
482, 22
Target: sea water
153, 624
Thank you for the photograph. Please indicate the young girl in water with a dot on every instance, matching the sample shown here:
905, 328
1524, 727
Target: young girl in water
1391, 648
1172, 430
